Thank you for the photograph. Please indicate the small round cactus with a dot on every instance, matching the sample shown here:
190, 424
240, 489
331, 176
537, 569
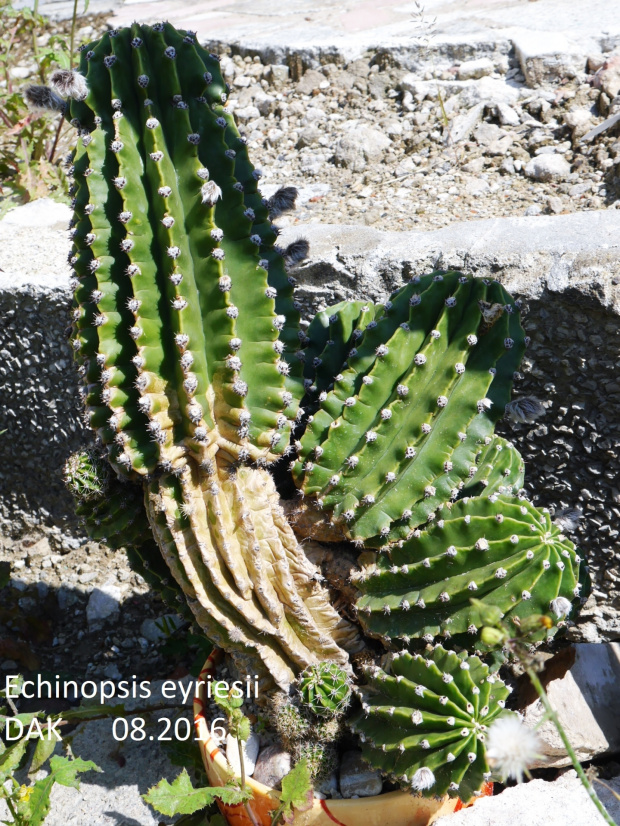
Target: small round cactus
425, 724
288, 721
320, 757
87, 476
325, 689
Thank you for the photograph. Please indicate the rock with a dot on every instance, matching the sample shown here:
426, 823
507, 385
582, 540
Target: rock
555, 205
548, 167
487, 133
103, 604
564, 802
546, 56
607, 79
584, 694
476, 186
250, 753
271, 766
154, 630
578, 190
42, 214
361, 145
277, 73
579, 120
357, 778
534, 209
489, 90
310, 81
246, 113
308, 136
462, 125
473, 69
507, 115
535, 256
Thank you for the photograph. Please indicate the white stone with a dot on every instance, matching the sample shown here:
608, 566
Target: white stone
250, 753
461, 126
538, 803
547, 253
104, 604
507, 115
585, 699
473, 69
545, 56
489, 90
548, 167
43, 213
362, 144
579, 120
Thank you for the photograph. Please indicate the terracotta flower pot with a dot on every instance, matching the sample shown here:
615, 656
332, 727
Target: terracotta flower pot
390, 809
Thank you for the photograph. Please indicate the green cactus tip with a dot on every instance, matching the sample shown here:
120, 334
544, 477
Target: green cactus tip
325, 689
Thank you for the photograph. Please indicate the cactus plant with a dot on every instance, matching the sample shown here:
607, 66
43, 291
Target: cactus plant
400, 430
424, 723
198, 377
325, 689
499, 549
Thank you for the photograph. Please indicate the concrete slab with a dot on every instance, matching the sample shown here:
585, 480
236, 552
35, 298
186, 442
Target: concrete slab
539, 803
320, 29
577, 253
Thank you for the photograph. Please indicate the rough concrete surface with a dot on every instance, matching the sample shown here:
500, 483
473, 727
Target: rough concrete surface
538, 803
344, 30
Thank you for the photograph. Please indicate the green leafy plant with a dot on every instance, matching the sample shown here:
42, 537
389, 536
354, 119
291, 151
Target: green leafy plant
29, 804
198, 377
180, 797
296, 794
29, 166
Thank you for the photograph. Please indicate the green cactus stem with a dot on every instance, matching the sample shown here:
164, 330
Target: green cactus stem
324, 689
181, 358
500, 469
113, 512
498, 549
419, 393
424, 723
185, 328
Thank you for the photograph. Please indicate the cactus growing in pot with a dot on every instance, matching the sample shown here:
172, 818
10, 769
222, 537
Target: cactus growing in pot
198, 376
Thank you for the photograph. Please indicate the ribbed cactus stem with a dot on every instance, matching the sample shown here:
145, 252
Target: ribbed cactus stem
425, 722
498, 549
324, 689
246, 577
419, 393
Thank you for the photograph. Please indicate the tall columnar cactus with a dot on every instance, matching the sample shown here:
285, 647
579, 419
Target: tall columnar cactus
498, 549
186, 331
424, 724
420, 390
